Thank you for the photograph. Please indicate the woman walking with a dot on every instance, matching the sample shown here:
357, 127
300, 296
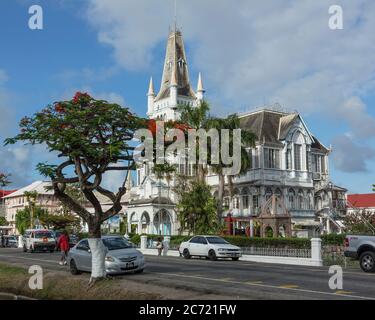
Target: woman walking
63, 245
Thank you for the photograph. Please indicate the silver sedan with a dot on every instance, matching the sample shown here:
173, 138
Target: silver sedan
121, 257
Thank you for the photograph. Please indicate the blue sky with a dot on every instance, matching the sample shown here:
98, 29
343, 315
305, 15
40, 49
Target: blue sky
249, 54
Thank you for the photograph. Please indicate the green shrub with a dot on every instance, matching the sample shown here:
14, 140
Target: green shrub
268, 242
333, 239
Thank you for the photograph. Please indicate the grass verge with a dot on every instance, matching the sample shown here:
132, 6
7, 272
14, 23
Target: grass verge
61, 286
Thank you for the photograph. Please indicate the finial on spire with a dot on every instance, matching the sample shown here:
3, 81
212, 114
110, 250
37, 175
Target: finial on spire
200, 83
151, 88
175, 15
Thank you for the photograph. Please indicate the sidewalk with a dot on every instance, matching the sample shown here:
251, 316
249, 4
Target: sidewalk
252, 258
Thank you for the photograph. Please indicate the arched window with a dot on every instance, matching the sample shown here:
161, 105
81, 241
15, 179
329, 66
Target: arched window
291, 198
300, 199
309, 200
278, 193
268, 193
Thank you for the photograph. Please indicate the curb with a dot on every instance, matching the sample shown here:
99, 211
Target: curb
10, 296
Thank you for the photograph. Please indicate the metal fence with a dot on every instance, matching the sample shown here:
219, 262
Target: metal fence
277, 252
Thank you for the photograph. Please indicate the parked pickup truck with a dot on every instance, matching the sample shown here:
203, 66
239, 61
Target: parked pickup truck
361, 248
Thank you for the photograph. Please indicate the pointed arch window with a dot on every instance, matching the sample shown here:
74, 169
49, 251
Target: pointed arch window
291, 198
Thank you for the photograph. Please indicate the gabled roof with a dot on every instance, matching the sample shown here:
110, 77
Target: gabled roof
366, 200
175, 68
264, 124
319, 146
285, 123
272, 127
38, 186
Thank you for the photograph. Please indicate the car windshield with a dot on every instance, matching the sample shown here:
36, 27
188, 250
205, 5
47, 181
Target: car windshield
45, 234
116, 243
216, 240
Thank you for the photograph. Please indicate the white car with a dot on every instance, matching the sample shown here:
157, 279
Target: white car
38, 239
212, 247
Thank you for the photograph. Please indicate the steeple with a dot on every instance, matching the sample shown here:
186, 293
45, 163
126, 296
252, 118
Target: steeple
151, 88
175, 68
200, 90
175, 88
150, 98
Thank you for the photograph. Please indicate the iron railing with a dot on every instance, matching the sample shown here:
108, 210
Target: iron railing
277, 252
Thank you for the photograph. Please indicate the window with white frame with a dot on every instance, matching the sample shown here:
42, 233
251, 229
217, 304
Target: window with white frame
271, 158
288, 159
297, 157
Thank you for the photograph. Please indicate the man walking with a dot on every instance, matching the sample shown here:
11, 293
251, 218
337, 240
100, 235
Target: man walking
63, 245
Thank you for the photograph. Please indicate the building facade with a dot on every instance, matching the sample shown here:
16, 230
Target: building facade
288, 162
18, 201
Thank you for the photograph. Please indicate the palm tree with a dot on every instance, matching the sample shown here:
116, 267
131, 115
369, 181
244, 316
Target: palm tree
248, 139
196, 118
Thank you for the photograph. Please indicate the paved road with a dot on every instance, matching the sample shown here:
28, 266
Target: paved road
240, 280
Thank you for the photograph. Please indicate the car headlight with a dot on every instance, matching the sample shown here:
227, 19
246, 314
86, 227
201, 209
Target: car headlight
220, 249
110, 259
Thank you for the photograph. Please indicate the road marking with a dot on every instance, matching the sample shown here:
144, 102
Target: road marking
227, 279
289, 286
254, 282
340, 292
267, 286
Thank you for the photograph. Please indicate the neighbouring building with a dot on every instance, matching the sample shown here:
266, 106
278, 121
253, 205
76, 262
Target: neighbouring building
18, 201
363, 202
3, 193
288, 162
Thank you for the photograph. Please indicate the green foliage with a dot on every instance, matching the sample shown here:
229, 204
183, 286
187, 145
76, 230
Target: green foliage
361, 222
136, 239
3, 221
81, 127
333, 239
61, 221
23, 218
4, 179
197, 208
164, 170
269, 242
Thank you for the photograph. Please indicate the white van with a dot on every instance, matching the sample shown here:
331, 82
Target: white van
38, 239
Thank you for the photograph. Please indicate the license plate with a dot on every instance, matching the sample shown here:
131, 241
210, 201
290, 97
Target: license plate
130, 265
45, 240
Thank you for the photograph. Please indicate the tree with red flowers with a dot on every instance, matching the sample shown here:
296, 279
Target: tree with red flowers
92, 137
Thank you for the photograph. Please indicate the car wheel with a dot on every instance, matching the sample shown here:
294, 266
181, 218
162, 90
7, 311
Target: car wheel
186, 254
212, 255
139, 271
31, 250
367, 261
235, 259
73, 268
24, 248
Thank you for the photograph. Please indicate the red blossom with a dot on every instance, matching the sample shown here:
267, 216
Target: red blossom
59, 108
79, 96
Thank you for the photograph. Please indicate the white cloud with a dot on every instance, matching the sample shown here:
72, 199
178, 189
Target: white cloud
253, 53
351, 157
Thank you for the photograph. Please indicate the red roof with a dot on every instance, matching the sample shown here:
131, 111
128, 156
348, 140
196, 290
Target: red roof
4, 193
366, 200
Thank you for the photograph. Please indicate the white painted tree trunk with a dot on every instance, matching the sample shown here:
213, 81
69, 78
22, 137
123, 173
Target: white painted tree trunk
98, 253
